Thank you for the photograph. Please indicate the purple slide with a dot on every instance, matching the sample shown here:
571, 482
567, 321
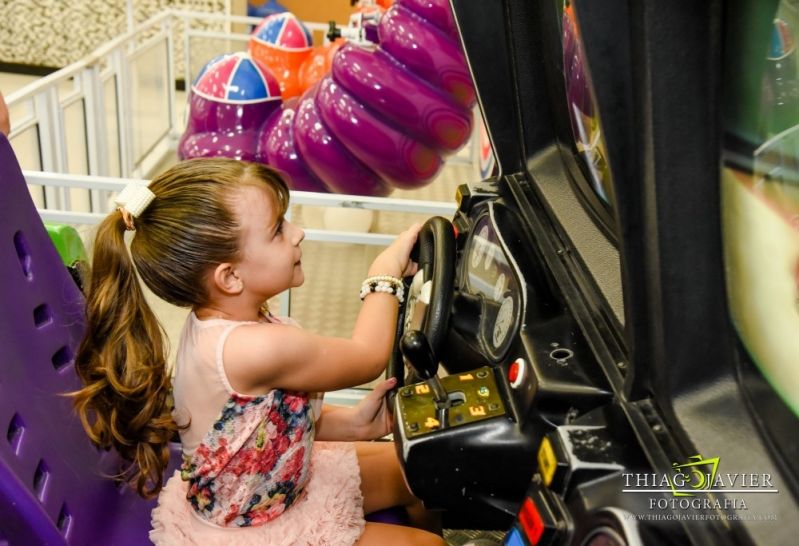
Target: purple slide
383, 118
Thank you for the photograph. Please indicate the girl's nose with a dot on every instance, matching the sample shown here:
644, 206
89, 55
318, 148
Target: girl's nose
299, 235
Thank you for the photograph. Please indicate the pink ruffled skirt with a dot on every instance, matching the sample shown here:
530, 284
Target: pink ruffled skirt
329, 512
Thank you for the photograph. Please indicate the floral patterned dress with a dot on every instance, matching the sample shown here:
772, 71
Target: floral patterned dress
254, 462
255, 476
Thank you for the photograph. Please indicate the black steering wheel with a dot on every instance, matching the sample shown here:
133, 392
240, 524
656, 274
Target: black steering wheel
428, 294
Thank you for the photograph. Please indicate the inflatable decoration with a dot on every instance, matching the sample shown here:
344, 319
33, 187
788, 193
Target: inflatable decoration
319, 63
282, 43
382, 117
265, 9
228, 103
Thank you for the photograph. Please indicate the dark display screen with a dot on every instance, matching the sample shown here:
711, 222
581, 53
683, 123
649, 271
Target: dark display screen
492, 276
760, 197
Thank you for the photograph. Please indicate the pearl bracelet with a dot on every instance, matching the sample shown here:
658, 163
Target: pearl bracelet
383, 283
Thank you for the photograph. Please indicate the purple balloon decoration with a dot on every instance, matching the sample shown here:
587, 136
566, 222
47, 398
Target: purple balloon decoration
439, 14
421, 111
229, 102
328, 158
402, 161
276, 147
426, 52
384, 117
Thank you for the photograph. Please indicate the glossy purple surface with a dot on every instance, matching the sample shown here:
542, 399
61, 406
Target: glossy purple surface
71, 501
223, 129
237, 145
276, 147
439, 14
402, 161
421, 111
328, 158
426, 52
383, 117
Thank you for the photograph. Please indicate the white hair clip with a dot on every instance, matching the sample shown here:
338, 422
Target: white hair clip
133, 200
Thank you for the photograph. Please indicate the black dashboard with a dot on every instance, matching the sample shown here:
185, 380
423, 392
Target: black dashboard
517, 367
491, 275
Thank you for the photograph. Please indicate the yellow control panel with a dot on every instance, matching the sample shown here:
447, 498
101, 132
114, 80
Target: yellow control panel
473, 396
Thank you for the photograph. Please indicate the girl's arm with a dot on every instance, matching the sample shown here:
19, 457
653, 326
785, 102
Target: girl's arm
259, 357
369, 420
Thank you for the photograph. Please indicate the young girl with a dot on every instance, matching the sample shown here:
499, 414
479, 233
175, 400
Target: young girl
210, 234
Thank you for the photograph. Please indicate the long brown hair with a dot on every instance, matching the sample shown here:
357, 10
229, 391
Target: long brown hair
187, 230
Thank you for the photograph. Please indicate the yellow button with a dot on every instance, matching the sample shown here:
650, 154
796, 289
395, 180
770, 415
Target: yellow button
477, 411
547, 462
466, 377
422, 389
431, 423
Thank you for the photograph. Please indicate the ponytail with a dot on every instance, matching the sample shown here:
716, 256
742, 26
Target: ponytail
124, 402
186, 231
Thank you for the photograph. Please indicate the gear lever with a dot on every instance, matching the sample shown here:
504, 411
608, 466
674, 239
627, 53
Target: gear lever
416, 350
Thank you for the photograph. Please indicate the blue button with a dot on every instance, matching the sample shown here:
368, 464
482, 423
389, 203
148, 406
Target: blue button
513, 538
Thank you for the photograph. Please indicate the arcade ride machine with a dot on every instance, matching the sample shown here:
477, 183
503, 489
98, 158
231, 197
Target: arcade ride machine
616, 310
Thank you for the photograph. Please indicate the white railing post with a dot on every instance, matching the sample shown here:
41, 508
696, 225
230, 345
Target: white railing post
186, 56
228, 24
119, 60
96, 130
51, 142
174, 133
129, 15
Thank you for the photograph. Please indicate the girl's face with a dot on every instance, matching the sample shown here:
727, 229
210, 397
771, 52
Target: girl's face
270, 246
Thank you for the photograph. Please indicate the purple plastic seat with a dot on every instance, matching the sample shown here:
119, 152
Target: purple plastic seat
395, 515
53, 488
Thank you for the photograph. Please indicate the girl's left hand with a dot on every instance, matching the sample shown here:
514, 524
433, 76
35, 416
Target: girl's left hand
371, 417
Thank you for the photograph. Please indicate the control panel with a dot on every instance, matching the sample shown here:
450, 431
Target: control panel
471, 396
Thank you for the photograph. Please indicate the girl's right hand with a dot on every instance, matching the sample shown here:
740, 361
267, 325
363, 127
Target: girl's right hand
395, 259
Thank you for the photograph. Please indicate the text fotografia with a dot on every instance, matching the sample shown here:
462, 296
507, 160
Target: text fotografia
697, 476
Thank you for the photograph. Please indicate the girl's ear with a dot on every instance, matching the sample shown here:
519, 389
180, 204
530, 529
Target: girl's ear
227, 280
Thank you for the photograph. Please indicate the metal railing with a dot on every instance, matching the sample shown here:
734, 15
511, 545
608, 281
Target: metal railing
110, 184
115, 112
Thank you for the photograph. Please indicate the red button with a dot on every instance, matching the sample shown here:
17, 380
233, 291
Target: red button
516, 373
531, 521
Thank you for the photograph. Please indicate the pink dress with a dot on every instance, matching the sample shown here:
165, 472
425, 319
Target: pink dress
252, 473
